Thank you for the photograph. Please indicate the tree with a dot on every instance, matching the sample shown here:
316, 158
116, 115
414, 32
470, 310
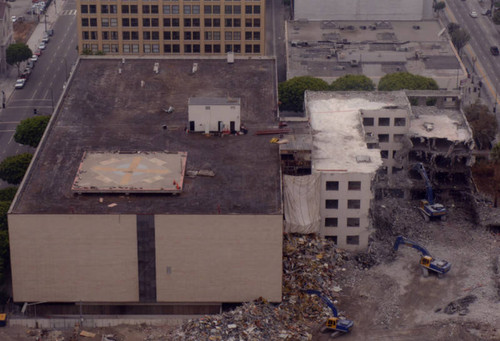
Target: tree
459, 38
439, 6
483, 124
291, 92
353, 83
406, 80
18, 53
8, 194
452, 27
30, 130
13, 168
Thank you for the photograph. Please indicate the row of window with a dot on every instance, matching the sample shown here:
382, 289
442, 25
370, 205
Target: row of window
184, 0
350, 240
169, 35
351, 185
170, 9
384, 121
172, 48
169, 22
334, 222
334, 204
385, 138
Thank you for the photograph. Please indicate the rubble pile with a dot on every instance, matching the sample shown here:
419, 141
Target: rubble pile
309, 262
461, 305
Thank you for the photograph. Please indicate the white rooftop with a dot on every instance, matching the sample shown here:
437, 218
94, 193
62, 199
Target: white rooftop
448, 124
338, 135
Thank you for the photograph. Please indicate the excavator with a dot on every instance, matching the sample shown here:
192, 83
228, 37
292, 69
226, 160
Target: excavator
427, 262
428, 207
334, 324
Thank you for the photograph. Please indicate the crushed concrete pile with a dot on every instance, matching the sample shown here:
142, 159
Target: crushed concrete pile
309, 262
461, 305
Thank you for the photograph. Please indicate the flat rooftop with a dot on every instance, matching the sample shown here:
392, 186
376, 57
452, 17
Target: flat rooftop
323, 49
339, 143
111, 112
432, 122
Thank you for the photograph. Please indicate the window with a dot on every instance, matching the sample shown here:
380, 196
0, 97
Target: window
134, 10
237, 9
84, 9
187, 35
175, 22
398, 137
196, 22
176, 48
125, 9
92, 9
352, 222
113, 9
175, 9
216, 37
256, 48
216, 48
371, 145
85, 22
256, 22
196, 48
248, 48
208, 48
93, 35
352, 240
237, 35
332, 238
332, 204
208, 36
145, 9
332, 185
331, 222
237, 48
105, 35
384, 121
196, 36
156, 48
155, 36
399, 121
146, 22
228, 23
187, 48
167, 48
256, 9
147, 48
154, 9
134, 22
126, 48
228, 36
353, 204
216, 9
208, 22
154, 22
248, 9
248, 22
176, 36
208, 10
93, 22
166, 22
166, 10
228, 9
146, 35
383, 137
196, 9
354, 185
368, 121
85, 35
113, 23
135, 36
237, 22
135, 48
187, 22
216, 22
104, 9
114, 35
248, 36
384, 154
228, 48
167, 36
187, 9
126, 35
256, 36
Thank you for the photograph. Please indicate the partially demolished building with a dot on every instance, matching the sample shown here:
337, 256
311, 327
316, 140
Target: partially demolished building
362, 146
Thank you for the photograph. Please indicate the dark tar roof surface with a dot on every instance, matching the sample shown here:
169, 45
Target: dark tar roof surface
105, 110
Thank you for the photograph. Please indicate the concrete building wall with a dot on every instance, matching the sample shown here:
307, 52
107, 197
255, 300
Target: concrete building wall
206, 117
68, 258
349, 222
176, 27
6, 33
218, 258
363, 10
388, 126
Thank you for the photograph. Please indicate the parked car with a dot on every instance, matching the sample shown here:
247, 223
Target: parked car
494, 50
38, 52
45, 39
42, 46
30, 64
50, 32
20, 83
13, 18
473, 14
34, 58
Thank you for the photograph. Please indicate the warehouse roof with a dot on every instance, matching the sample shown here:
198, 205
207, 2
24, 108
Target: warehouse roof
108, 111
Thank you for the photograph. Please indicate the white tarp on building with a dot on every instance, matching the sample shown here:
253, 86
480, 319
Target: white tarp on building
302, 203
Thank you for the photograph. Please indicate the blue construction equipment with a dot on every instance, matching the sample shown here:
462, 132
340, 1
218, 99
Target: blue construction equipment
333, 323
427, 261
428, 207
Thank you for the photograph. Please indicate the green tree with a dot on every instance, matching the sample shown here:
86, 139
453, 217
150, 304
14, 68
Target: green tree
18, 53
405, 80
452, 27
483, 124
13, 168
353, 83
8, 194
30, 130
459, 38
291, 92
439, 6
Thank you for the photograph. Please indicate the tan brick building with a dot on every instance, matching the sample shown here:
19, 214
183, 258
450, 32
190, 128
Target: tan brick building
171, 27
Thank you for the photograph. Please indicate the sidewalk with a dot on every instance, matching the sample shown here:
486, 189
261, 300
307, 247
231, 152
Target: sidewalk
8, 79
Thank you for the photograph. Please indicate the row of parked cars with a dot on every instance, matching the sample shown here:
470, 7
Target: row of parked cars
25, 75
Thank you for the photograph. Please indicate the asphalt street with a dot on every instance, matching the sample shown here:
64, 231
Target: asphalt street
47, 81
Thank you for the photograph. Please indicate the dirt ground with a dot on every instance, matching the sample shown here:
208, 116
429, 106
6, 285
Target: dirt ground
23, 30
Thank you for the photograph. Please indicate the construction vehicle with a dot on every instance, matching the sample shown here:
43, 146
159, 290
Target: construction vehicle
428, 207
427, 262
334, 324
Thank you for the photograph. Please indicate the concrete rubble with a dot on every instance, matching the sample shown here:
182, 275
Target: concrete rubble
309, 262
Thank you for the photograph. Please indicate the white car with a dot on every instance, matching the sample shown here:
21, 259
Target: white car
473, 14
42, 46
20, 83
34, 58
13, 18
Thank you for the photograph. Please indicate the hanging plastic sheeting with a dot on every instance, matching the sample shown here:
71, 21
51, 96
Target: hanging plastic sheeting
302, 203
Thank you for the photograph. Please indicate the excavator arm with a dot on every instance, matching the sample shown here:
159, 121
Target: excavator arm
421, 170
407, 242
324, 299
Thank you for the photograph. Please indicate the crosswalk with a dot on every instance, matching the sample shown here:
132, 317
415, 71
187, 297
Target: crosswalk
69, 12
